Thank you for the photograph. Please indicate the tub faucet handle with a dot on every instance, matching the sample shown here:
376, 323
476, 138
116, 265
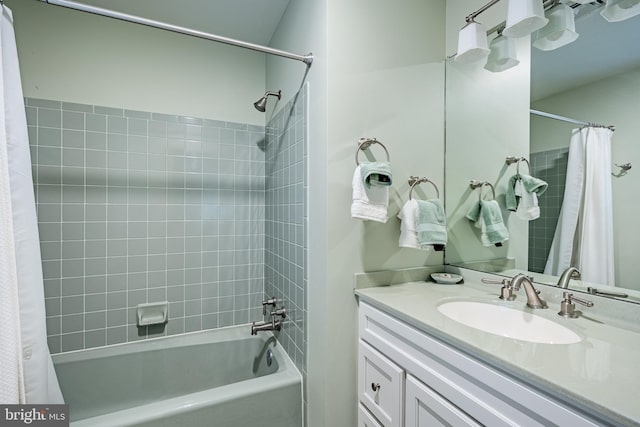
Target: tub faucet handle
282, 312
270, 301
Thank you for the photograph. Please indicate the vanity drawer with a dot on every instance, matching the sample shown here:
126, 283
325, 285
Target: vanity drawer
426, 408
365, 419
380, 386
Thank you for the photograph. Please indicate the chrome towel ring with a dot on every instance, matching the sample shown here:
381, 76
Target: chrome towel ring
365, 143
480, 184
414, 180
511, 160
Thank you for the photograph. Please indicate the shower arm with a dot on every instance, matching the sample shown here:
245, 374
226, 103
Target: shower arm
307, 59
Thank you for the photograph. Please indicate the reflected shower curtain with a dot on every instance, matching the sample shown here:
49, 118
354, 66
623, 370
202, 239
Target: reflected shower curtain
584, 234
26, 369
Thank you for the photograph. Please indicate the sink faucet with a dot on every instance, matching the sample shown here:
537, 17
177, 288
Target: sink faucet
568, 274
533, 299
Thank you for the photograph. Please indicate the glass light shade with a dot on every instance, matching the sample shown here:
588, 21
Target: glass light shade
503, 54
619, 10
472, 43
524, 17
559, 31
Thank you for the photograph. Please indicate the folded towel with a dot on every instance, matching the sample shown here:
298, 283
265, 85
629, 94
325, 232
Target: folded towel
528, 208
370, 202
408, 233
431, 224
530, 184
376, 173
487, 215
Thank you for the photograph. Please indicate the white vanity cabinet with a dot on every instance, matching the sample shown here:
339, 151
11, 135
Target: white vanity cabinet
408, 378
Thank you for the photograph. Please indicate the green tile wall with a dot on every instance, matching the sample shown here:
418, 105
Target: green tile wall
286, 222
138, 207
550, 166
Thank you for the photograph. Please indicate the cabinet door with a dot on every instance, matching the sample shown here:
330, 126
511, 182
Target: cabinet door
380, 386
426, 408
365, 419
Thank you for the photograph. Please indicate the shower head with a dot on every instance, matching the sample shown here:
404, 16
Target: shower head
261, 104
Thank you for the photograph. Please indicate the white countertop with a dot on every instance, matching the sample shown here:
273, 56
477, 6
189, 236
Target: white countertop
600, 374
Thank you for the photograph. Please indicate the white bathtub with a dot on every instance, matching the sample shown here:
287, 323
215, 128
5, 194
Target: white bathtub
211, 378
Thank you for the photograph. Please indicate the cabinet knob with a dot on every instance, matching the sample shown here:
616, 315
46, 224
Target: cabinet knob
375, 386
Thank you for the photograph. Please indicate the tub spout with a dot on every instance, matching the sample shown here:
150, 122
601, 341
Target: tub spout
274, 325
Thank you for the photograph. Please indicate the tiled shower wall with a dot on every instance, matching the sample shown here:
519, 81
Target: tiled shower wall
138, 207
286, 221
551, 166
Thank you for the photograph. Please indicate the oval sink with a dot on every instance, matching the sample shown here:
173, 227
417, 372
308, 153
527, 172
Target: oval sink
508, 322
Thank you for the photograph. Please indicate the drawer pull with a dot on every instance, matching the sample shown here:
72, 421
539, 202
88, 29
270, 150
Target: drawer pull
375, 386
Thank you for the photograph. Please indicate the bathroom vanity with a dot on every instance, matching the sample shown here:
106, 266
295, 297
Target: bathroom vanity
419, 367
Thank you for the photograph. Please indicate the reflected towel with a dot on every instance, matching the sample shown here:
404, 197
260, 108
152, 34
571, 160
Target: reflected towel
431, 224
376, 173
530, 185
528, 208
370, 202
486, 214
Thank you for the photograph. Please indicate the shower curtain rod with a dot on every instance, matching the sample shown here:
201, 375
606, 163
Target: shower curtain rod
567, 119
307, 59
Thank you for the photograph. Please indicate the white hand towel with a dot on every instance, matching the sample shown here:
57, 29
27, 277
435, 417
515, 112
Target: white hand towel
408, 233
528, 208
370, 202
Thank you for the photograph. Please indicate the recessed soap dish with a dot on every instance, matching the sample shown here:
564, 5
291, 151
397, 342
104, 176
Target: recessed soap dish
153, 313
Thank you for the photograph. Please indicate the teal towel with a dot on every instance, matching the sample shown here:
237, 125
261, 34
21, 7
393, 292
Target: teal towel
376, 173
488, 212
530, 184
431, 223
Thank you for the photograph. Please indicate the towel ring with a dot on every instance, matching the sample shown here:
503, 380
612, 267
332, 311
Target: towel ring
480, 184
414, 180
365, 143
511, 160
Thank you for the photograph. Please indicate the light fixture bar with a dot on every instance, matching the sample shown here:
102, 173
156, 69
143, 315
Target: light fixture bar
307, 59
473, 15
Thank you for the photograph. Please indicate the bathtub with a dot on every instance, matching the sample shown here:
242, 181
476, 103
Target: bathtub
218, 378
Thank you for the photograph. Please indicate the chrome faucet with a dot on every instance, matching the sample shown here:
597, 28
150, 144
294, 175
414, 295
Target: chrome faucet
274, 325
533, 299
568, 274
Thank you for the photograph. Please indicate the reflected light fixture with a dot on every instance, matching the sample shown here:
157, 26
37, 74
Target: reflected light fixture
503, 54
559, 31
524, 17
472, 43
619, 10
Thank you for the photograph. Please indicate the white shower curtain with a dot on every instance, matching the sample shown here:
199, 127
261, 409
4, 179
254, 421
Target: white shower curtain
584, 234
28, 376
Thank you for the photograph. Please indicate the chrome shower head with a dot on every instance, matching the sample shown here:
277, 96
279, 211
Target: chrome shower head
261, 104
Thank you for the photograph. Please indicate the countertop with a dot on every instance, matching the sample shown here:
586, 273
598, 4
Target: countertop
599, 375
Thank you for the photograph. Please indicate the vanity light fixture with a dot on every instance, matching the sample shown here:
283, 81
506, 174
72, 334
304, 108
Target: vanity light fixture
472, 43
503, 54
559, 31
524, 17
619, 10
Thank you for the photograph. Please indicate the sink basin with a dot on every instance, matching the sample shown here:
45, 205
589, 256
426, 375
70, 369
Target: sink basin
508, 322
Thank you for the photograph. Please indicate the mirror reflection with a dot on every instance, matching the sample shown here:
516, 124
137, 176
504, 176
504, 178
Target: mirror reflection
594, 78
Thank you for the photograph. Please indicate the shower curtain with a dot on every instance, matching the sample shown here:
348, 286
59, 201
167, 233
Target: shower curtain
26, 369
584, 234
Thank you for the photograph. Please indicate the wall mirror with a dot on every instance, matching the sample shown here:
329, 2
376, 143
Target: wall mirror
596, 79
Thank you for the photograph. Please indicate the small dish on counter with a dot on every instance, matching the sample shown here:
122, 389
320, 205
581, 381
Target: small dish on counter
446, 278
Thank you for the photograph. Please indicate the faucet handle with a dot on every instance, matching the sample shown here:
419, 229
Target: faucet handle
270, 301
506, 293
568, 307
282, 312
504, 282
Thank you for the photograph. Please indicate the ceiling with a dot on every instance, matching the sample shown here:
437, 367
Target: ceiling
252, 21
602, 49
